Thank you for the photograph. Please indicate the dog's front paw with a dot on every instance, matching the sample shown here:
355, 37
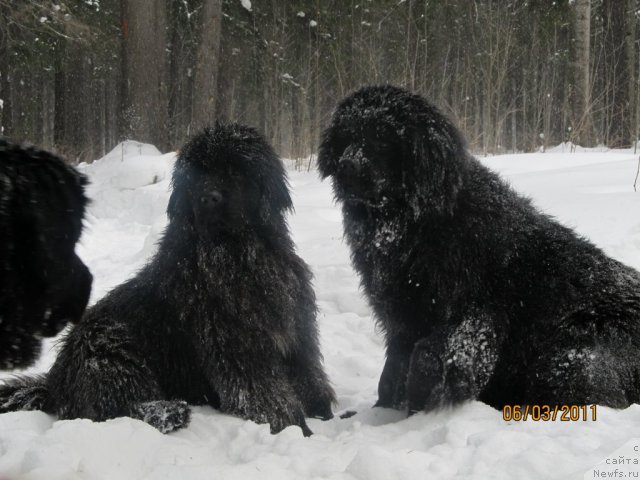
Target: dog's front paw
437, 381
164, 415
23, 394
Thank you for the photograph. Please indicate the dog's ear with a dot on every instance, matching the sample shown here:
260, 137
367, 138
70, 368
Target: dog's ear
274, 186
434, 154
329, 152
67, 299
174, 205
276, 193
179, 206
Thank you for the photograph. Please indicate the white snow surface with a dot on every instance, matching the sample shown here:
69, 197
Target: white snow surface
591, 191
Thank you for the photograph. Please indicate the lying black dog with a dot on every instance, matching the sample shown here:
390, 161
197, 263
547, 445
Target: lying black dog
223, 315
43, 283
480, 295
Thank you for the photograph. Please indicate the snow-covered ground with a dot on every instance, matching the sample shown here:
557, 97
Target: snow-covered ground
591, 191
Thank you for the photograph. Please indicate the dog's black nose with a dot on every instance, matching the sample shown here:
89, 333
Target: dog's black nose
348, 167
212, 199
350, 163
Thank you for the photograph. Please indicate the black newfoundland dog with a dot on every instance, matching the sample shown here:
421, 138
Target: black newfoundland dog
479, 295
43, 283
223, 315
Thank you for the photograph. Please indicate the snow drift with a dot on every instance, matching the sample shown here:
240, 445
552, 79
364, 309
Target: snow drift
591, 191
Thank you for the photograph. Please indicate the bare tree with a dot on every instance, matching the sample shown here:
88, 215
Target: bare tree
582, 128
144, 112
631, 74
512, 75
206, 68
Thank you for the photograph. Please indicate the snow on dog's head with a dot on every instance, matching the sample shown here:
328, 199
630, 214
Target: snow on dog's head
386, 145
228, 179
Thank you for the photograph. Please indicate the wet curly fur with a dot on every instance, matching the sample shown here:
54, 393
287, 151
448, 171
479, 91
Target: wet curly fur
223, 315
479, 294
43, 283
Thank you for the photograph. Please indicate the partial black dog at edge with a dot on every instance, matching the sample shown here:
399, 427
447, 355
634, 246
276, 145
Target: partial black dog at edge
479, 294
223, 315
43, 283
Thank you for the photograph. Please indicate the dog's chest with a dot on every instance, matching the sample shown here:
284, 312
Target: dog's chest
252, 288
377, 246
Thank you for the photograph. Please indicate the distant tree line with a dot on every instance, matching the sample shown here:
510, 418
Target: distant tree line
79, 76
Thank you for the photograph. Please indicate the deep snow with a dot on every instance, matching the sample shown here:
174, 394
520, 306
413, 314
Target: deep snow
591, 191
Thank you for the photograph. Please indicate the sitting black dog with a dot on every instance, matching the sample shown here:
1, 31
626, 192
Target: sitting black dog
43, 283
223, 315
479, 295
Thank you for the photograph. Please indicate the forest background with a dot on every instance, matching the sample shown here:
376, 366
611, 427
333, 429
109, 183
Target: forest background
79, 76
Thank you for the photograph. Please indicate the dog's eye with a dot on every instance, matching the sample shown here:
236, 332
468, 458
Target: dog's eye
212, 199
381, 144
337, 150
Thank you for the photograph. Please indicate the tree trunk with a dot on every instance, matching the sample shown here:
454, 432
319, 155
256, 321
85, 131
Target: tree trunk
207, 60
616, 64
48, 110
582, 128
144, 70
5, 83
631, 74
72, 101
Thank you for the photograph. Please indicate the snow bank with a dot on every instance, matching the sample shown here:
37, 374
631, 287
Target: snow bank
129, 192
591, 191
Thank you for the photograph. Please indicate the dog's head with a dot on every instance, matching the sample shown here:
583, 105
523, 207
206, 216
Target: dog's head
385, 145
228, 179
44, 284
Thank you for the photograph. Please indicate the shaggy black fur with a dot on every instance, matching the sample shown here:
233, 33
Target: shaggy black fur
43, 283
223, 315
480, 295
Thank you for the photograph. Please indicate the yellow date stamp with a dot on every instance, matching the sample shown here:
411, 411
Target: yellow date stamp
547, 413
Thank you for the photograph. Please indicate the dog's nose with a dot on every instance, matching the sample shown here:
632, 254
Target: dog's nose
349, 167
350, 163
212, 199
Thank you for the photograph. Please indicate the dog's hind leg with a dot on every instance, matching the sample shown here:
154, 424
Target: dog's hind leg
102, 373
24, 393
581, 371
